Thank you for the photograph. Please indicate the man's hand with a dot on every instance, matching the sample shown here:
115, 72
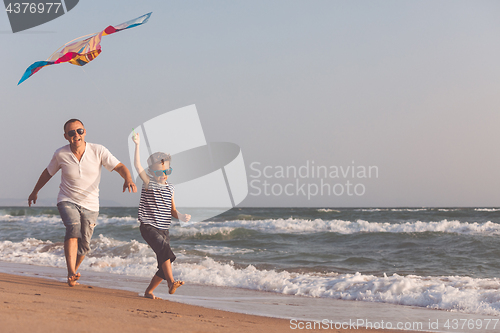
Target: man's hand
33, 196
123, 171
184, 217
130, 185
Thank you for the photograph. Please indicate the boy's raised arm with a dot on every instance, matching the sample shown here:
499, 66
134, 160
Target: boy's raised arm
137, 160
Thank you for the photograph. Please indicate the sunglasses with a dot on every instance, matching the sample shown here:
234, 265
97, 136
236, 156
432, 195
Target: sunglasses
73, 132
158, 173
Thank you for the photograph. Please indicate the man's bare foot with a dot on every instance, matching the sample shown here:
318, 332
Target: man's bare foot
72, 279
150, 295
174, 286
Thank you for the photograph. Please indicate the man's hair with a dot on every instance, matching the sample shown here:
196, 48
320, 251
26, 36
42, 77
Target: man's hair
158, 158
72, 121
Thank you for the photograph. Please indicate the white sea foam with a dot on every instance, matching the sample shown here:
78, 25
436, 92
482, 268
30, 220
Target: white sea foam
221, 250
301, 226
487, 209
462, 294
290, 225
328, 210
453, 293
32, 219
103, 219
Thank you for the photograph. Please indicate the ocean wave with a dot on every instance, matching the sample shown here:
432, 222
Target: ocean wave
452, 293
32, 219
56, 219
301, 226
286, 226
392, 209
106, 252
221, 250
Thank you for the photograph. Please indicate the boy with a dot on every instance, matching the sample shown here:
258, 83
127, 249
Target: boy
156, 209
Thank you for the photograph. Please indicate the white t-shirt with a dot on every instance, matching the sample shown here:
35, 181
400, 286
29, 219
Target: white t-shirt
80, 179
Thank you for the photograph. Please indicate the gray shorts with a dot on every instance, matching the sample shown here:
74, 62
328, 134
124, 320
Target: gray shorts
79, 222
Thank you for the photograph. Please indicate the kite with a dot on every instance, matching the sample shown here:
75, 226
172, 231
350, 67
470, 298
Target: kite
83, 51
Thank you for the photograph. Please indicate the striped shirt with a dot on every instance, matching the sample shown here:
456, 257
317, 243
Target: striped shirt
155, 207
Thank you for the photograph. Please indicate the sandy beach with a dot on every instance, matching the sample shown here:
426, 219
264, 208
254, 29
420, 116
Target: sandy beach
30, 304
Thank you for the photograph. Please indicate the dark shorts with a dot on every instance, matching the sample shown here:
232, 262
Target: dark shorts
159, 240
79, 223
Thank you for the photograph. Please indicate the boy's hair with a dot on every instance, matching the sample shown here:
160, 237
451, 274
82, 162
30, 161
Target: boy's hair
72, 121
158, 158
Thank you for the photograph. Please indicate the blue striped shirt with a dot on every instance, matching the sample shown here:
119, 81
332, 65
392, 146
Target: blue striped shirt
155, 207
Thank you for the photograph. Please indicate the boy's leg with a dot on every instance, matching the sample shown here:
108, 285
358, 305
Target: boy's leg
166, 267
155, 282
159, 242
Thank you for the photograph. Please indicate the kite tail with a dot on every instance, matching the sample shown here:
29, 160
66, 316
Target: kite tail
33, 69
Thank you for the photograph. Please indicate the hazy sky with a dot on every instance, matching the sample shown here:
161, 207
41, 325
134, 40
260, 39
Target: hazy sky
411, 88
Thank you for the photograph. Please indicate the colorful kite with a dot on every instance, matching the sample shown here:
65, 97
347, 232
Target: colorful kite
84, 51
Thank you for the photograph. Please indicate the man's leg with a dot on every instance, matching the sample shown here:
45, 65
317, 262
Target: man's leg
70, 216
79, 259
88, 220
70, 250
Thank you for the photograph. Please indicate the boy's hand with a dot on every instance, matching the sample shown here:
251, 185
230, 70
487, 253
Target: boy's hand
185, 217
136, 138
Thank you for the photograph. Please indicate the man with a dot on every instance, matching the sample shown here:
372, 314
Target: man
78, 200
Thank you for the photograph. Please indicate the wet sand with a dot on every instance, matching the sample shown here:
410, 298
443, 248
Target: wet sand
29, 304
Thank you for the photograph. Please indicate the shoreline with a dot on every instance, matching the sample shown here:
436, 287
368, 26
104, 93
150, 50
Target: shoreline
56, 307
37, 304
293, 312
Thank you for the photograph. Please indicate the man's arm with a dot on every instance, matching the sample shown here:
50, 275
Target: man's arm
123, 171
44, 178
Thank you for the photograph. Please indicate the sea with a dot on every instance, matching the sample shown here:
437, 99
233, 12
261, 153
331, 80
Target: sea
423, 258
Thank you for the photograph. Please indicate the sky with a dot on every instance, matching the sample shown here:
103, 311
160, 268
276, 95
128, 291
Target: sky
406, 89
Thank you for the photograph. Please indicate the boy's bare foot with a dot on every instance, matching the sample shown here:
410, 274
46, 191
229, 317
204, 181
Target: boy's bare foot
174, 286
72, 279
150, 295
